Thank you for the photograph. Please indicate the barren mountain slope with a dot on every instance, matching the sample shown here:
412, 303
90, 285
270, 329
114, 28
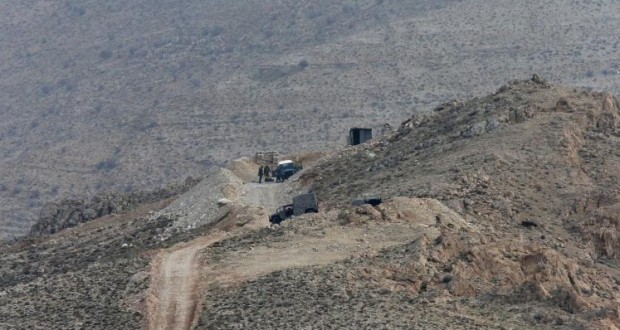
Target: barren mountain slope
101, 270
534, 167
124, 95
499, 212
530, 239
531, 151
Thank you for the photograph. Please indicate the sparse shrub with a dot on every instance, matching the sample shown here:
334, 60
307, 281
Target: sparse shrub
35, 194
235, 117
16, 191
99, 186
132, 51
107, 164
314, 14
47, 89
196, 83
348, 9
66, 84
105, 54
302, 64
217, 30
67, 64
142, 124
267, 33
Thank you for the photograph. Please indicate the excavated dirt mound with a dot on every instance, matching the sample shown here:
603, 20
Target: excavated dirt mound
200, 205
245, 169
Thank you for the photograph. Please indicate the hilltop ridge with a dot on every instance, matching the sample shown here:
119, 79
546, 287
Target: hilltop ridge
498, 210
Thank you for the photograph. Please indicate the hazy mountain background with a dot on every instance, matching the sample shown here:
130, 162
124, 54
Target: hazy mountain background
121, 95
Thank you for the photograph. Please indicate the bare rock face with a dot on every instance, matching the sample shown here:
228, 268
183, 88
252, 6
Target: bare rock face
600, 114
68, 213
601, 224
609, 117
461, 259
466, 265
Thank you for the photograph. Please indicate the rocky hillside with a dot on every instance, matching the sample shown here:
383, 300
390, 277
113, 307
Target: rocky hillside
534, 168
69, 213
122, 96
530, 152
517, 202
500, 212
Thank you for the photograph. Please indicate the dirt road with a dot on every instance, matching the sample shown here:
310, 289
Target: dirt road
176, 290
267, 195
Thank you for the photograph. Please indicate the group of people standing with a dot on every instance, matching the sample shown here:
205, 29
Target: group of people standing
264, 171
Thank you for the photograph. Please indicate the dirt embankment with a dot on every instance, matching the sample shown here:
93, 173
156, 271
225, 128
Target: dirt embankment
177, 289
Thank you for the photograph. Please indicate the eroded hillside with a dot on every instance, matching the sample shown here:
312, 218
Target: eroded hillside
128, 95
533, 167
499, 212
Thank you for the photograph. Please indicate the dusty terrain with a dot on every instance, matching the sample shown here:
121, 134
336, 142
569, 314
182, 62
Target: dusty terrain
499, 212
535, 167
175, 294
175, 286
129, 95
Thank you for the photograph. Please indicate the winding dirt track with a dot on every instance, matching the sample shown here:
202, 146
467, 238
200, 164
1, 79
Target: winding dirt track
175, 298
175, 294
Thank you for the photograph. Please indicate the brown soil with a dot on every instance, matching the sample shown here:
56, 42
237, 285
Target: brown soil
497, 213
174, 299
176, 291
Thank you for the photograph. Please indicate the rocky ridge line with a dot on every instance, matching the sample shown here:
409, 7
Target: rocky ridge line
67, 213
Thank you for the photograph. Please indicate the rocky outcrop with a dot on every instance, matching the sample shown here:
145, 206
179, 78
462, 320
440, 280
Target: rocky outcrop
67, 213
600, 222
532, 167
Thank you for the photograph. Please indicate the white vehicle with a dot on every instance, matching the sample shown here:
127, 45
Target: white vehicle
285, 170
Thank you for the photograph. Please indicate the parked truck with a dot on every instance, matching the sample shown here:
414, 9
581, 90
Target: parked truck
285, 170
305, 203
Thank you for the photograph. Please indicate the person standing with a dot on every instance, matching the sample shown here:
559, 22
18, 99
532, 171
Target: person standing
278, 175
260, 174
267, 171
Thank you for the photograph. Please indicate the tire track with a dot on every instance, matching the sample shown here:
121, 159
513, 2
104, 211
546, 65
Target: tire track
176, 290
